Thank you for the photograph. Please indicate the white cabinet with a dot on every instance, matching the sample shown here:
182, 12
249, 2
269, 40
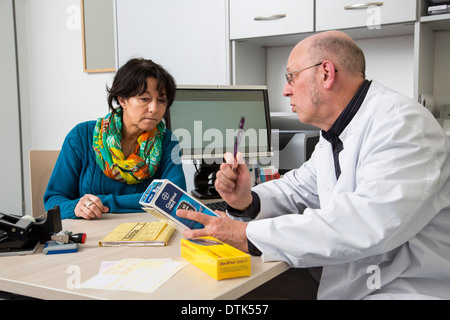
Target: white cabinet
407, 51
188, 38
432, 65
11, 199
261, 18
341, 14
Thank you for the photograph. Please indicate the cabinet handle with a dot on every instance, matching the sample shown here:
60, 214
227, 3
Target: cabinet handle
270, 17
363, 5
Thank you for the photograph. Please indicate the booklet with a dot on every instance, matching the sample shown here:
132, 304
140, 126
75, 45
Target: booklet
139, 234
163, 198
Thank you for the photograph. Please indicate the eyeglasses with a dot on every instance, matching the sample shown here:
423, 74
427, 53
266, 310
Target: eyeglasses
290, 74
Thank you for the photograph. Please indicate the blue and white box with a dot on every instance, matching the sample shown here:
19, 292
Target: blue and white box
166, 198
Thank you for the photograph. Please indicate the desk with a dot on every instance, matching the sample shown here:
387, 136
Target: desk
53, 276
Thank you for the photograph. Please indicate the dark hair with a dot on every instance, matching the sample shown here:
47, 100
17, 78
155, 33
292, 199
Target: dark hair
131, 81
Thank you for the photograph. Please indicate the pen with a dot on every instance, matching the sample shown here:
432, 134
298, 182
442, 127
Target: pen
239, 134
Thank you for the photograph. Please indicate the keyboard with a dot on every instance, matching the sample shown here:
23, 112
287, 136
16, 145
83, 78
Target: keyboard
219, 205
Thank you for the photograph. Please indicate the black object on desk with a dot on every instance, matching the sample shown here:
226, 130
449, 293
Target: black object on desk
204, 179
20, 235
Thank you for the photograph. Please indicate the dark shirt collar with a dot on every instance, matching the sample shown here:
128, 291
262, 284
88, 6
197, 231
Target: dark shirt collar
332, 135
349, 112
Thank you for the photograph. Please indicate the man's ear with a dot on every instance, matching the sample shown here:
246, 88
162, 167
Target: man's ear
329, 74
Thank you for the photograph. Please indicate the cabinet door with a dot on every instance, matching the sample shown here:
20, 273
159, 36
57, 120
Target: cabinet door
188, 38
260, 18
340, 14
10, 161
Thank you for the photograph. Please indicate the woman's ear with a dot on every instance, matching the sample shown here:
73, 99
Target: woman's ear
122, 101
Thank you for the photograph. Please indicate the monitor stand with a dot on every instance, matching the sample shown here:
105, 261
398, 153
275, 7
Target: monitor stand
204, 179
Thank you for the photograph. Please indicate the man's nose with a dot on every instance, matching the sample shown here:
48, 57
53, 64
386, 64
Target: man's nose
287, 91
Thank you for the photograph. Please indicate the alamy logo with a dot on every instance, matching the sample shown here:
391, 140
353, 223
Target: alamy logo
213, 141
73, 21
374, 19
74, 279
373, 282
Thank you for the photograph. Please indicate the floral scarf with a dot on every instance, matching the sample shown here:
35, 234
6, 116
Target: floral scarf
140, 165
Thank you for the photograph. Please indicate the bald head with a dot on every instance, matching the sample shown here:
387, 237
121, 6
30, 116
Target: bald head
337, 47
324, 72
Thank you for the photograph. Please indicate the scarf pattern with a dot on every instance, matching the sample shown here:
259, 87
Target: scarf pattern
138, 166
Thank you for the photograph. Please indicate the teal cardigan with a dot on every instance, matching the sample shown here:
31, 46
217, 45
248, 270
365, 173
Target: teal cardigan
76, 173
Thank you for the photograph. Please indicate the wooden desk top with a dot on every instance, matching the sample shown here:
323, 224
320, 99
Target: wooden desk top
55, 276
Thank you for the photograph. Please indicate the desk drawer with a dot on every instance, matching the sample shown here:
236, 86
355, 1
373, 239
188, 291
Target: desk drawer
341, 14
261, 18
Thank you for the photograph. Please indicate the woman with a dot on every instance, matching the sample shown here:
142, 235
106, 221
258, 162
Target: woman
106, 165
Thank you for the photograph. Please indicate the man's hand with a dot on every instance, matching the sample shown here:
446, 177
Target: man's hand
222, 228
233, 182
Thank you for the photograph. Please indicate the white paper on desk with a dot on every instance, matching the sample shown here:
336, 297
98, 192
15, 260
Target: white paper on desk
108, 264
138, 275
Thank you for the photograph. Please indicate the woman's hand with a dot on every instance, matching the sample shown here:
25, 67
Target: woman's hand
90, 207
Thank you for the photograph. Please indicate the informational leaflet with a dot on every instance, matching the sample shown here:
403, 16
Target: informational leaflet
138, 275
139, 234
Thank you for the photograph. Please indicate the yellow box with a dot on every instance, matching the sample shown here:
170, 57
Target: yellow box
216, 258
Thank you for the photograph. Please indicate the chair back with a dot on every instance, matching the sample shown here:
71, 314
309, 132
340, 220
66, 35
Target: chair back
41, 168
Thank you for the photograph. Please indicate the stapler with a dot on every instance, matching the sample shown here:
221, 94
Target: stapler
21, 235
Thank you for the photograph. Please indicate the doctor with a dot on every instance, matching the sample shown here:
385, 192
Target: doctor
371, 206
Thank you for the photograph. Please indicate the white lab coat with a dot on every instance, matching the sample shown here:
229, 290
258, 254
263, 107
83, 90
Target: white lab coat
384, 224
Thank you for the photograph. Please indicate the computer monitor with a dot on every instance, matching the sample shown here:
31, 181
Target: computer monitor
205, 119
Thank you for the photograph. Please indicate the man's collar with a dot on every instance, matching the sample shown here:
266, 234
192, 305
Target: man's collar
349, 112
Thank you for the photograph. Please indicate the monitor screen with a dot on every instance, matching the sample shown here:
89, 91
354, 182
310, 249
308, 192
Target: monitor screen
206, 119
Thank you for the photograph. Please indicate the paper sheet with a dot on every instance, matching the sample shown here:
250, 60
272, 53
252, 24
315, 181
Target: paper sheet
138, 275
